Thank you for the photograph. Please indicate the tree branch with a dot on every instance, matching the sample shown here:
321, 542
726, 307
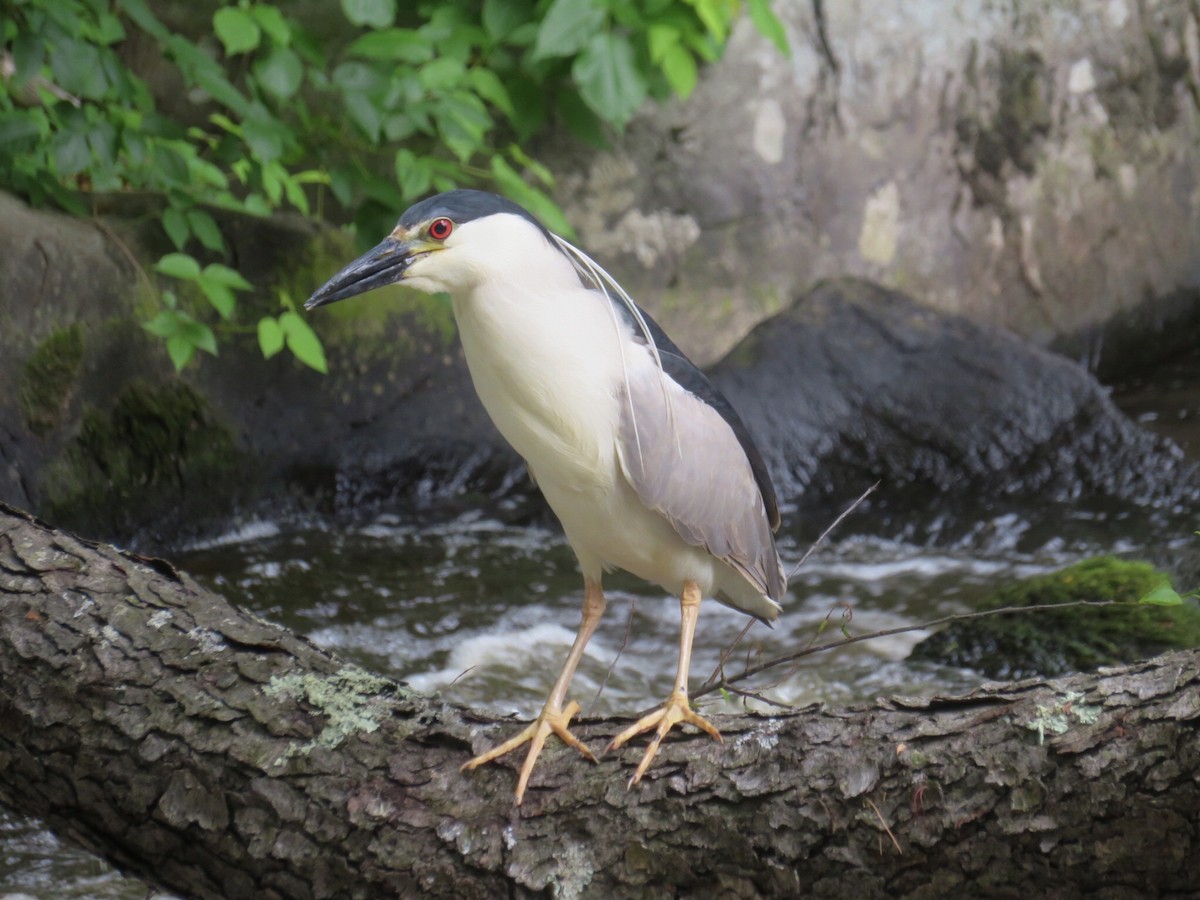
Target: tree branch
219, 755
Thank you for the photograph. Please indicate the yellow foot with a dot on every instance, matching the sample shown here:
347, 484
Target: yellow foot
675, 710
535, 735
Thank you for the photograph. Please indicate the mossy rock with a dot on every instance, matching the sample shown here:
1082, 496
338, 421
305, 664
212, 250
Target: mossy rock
159, 455
49, 379
1052, 642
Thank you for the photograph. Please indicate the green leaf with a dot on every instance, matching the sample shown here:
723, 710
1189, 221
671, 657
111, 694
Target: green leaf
303, 341
183, 334
231, 278
178, 265
27, 55
78, 69
364, 113
109, 29
165, 324
279, 72
1163, 595
219, 297
462, 123
566, 28
271, 20
523, 36
714, 15
139, 12
236, 29
546, 210
295, 194
608, 78
441, 74
487, 84
200, 335
661, 38
357, 76
70, 152
342, 182
204, 227
539, 171
19, 126
394, 44
398, 128
768, 25
413, 173
501, 18
255, 205
270, 336
207, 74
372, 13
181, 351
175, 224
265, 135
680, 68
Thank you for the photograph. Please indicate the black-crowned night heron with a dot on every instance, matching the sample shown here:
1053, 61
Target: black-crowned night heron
644, 462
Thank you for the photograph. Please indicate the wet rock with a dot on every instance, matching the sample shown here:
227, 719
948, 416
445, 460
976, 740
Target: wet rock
856, 383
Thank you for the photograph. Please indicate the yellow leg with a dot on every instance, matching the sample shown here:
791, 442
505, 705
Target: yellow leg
676, 709
554, 718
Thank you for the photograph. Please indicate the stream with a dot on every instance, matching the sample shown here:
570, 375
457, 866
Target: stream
481, 606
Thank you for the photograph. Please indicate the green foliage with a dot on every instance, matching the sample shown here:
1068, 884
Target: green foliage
356, 121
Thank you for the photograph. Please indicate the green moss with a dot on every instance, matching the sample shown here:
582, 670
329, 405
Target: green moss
49, 378
158, 454
1051, 642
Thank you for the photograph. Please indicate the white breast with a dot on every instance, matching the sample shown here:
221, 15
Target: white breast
545, 368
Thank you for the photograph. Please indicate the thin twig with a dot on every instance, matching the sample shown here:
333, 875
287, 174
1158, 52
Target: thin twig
834, 524
887, 632
755, 695
719, 672
879, 815
620, 650
124, 248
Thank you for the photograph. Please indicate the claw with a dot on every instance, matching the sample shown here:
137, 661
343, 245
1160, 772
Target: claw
551, 721
677, 709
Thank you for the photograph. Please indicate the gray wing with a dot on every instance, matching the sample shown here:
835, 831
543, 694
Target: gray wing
685, 461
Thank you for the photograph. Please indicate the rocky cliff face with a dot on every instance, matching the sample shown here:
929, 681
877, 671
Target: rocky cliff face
1033, 165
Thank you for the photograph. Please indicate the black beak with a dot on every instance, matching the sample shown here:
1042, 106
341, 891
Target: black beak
386, 264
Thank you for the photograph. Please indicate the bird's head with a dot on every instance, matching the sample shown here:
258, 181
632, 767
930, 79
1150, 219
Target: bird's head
451, 242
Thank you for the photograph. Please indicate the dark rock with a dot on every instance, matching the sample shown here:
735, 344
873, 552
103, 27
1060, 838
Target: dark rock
857, 383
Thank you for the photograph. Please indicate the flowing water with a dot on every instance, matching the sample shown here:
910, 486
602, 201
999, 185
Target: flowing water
481, 607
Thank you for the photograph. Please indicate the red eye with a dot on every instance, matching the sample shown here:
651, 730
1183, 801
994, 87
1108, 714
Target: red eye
439, 229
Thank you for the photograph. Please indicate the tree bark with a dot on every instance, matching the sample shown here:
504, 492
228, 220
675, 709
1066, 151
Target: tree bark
218, 755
